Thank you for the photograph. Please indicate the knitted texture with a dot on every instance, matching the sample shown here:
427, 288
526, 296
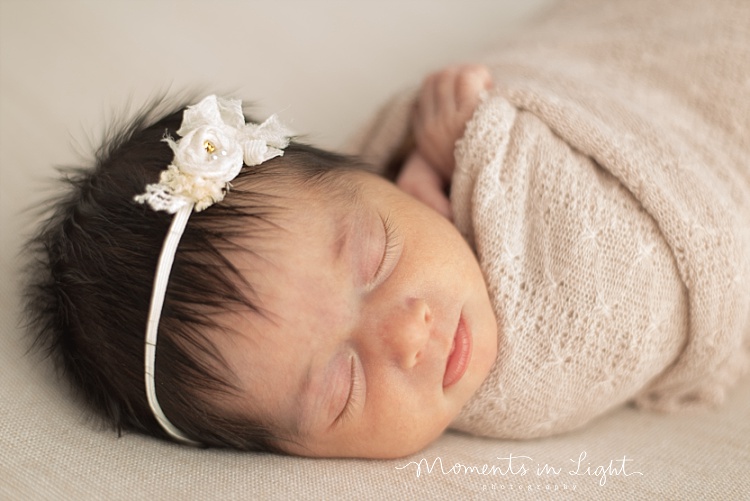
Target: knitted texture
605, 186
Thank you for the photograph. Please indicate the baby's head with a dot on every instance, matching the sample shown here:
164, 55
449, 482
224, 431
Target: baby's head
316, 310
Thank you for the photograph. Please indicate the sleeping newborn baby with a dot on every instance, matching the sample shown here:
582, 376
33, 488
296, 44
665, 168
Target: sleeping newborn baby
568, 232
607, 197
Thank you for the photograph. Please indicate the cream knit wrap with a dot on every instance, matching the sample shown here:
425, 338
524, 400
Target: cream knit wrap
605, 186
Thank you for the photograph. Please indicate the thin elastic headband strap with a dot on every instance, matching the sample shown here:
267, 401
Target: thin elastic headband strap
163, 270
216, 143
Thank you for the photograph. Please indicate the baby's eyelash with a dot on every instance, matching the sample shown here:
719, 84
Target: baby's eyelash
390, 243
353, 396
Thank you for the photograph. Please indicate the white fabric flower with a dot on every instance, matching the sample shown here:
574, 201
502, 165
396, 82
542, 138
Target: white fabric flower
215, 141
211, 152
212, 110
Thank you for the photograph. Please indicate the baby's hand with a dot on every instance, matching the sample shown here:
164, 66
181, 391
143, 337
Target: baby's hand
447, 101
423, 182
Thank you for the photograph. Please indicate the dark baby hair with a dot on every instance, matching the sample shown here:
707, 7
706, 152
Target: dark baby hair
92, 270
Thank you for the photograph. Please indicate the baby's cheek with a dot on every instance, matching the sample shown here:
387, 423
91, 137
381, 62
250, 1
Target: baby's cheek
408, 416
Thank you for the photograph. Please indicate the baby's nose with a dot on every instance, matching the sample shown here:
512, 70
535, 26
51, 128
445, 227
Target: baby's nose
407, 331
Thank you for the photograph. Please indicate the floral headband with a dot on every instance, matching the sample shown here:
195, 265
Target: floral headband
215, 142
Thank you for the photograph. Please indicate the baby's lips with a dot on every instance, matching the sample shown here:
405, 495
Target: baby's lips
459, 356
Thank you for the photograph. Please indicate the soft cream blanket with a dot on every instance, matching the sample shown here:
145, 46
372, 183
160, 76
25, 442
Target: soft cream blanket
605, 185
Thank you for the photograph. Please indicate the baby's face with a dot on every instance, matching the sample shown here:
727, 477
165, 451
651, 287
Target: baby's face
376, 325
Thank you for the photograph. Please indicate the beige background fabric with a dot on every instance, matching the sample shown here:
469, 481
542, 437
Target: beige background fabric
68, 66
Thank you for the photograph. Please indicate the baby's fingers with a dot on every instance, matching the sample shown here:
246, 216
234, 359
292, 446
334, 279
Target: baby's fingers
445, 91
469, 83
446, 102
436, 96
453, 90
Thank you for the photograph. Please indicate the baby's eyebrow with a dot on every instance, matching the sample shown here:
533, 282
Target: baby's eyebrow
342, 236
350, 217
301, 420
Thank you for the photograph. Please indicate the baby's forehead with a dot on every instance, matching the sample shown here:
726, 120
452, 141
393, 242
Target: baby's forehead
285, 219
344, 187
339, 187
320, 219
317, 217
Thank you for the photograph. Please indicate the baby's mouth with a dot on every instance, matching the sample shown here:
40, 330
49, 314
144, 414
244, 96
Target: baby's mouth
459, 356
